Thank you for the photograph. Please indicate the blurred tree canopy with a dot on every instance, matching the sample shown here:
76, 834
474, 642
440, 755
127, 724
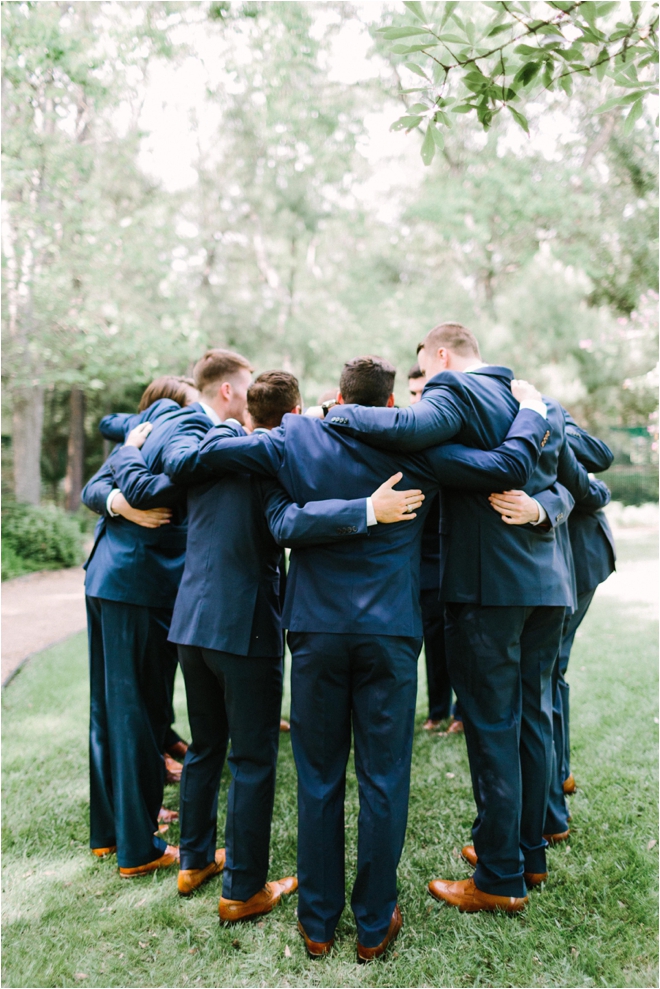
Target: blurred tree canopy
293, 241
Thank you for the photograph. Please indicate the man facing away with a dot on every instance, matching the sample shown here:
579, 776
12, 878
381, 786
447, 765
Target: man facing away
352, 610
505, 589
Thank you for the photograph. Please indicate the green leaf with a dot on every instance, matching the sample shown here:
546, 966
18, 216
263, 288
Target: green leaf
392, 33
409, 49
605, 8
449, 10
601, 66
463, 108
618, 101
452, 39
528, 72
590, 12
417, 69
437, 137
415, 8
428, 145
635, 113
498, 30
636, 8
418, 108
443, 118
566, 84
406, 123
519, 119
525, 50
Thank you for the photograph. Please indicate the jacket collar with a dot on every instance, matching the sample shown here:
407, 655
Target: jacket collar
490, 371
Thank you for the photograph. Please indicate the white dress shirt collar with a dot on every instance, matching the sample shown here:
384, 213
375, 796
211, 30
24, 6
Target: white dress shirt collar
211, 413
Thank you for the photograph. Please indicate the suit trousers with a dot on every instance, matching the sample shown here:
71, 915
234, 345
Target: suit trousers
501, 661
127, 730
238, 697
437, 677
369, 681
557, 817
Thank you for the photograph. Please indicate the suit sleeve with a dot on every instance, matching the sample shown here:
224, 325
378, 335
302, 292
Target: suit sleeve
96, 491
181, 455
558, 503
588, 494
509, 466
316, 522
116, 425
436, 419
225, 450
592, 453
139, 486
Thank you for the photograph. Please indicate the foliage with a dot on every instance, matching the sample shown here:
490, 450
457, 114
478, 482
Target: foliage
38, 538
593, 924
490, 57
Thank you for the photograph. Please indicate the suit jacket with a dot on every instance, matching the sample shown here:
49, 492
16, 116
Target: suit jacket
117, 425
591, 539
371, 585
229, 598
485, 560
128, 562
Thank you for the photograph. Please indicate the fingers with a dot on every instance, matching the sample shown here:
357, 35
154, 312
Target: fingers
394, 479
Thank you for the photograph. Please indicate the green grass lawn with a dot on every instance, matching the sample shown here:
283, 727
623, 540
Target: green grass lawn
69, 920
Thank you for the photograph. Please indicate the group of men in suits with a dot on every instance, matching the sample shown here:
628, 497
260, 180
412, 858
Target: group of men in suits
195, 511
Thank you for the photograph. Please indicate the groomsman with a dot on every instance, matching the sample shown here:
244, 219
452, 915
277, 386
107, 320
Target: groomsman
592, 548
133, 575
505, 590
355, 633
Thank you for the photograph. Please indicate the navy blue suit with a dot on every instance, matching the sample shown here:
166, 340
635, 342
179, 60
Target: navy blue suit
227, 624
506, 589
353, 614
590, 545
433, 618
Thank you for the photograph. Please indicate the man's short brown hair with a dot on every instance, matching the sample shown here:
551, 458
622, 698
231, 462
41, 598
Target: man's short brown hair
271, 396
415, 372
454, 337
367, 381
217, 366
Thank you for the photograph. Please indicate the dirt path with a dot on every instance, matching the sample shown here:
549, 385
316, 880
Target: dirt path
37, 611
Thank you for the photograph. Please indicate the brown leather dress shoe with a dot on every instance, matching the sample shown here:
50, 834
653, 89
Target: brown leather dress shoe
178, 750
556, 839
169, 857
102, 852
166, 816
569, 785
469, 899
431, 725
173, 769
455, 728
262, 902
284, 725
531, 878
191, 879
315, 949
396, 923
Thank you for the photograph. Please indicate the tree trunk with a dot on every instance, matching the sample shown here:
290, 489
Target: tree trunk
75, 454
27, 426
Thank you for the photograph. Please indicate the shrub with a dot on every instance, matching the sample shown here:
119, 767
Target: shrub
36, 538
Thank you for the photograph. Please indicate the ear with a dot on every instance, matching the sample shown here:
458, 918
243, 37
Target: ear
340, 399
296, 410
225, 390
390, 401
443, 355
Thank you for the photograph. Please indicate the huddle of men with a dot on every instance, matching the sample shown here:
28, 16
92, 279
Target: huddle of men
196, 507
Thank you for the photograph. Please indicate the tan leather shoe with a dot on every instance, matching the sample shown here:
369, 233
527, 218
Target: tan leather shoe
315, 949
431, 725
166, 816
396, 923
191, 879
465, 895
169, 857
173, 769
178, 750
102, 852
262, 902
531, 878
569, 785
455, 728
284, 725
556, 839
